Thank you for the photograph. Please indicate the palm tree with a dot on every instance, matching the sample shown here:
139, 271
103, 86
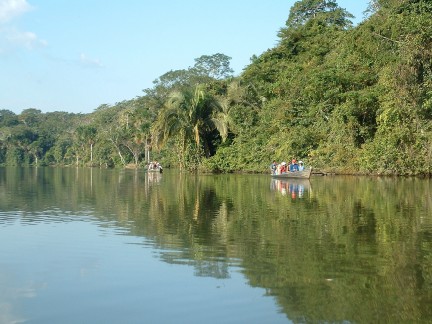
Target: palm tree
187, 117
222, 118
236, 95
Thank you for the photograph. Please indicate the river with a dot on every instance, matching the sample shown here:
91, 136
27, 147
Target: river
123, 246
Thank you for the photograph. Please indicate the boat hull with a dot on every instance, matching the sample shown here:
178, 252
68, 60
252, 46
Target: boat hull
154, 170
305, 174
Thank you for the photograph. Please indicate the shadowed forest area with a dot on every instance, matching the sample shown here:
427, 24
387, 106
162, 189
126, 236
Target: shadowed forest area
343, 98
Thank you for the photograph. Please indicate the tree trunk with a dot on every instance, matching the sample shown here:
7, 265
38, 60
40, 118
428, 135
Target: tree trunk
118, 151
91, 154
147, 151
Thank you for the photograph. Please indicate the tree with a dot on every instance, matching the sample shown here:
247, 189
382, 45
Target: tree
186, 116
207, 68
31, 117
326, 11
20, 140
137, 131
216, 66
86, 135
8, 118
236, 99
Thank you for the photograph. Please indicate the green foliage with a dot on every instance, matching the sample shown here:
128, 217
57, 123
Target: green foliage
216, 66
362, 96
326, 12
187, 116
207, 69
223, 161
8, 118
15, 156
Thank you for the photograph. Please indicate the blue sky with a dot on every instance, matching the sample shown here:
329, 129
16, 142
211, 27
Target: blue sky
75, 55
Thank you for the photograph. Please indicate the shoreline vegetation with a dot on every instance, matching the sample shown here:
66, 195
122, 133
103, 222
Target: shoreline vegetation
344, 99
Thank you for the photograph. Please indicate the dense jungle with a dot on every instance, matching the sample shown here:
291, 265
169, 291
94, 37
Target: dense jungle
345, 99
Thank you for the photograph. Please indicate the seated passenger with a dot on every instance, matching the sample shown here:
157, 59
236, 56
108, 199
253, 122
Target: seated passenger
273, 167
293, 166
301, 166
283, 167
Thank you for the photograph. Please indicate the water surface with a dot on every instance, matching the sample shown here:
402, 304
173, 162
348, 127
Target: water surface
110, 246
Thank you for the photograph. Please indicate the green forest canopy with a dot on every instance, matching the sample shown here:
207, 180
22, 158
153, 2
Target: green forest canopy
343, 99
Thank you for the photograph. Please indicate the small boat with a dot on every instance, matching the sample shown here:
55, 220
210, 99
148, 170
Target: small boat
305, 174
158, 170
154, 167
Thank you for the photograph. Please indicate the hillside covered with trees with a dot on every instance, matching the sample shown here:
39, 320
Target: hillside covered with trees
343, 99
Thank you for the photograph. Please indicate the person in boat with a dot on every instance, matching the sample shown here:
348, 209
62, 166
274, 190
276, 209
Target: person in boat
283, 168
273, 167
159, 167
278, 168
153, 165
300, 166
293, 166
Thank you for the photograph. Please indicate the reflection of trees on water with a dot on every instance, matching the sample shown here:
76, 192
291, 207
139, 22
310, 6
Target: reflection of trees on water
358, 249
185, 212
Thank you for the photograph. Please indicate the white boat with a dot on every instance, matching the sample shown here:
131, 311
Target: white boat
305, 174
158, 170
154, 167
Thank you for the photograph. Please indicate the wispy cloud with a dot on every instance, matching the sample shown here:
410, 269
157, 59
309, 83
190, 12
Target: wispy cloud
10, 9
11, 37
90, 62
19, 38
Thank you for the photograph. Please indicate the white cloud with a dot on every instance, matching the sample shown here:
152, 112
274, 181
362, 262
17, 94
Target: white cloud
10, 9
86, 61
10, 37
18, 38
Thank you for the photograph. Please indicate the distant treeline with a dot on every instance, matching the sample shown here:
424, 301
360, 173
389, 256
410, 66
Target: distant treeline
344, 99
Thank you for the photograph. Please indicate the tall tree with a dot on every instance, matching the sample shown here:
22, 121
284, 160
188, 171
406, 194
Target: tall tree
186, 116
326, 11
86, 135
207, 68
216, 66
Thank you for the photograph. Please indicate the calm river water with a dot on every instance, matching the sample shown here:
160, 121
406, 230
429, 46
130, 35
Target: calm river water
111, 246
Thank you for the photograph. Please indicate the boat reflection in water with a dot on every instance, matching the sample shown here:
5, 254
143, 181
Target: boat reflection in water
154, 177
296, 188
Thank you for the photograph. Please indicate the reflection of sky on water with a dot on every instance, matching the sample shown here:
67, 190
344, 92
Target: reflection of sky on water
7, 314
54, 267
33, 251
10, 297
13, 292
